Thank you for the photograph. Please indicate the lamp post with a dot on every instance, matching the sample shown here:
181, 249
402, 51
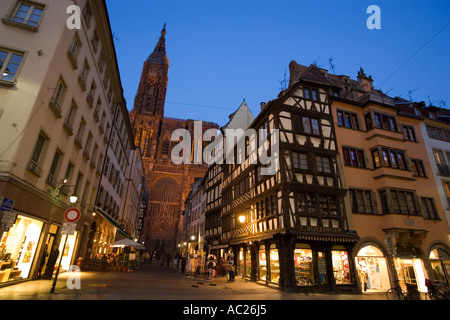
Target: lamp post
73, 198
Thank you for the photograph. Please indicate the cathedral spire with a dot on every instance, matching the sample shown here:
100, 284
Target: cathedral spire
159, 53
151, 95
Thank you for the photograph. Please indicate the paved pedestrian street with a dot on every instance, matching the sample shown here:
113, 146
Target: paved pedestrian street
155, 287
152, 282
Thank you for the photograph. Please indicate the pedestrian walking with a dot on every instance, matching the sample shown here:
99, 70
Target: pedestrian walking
51, 263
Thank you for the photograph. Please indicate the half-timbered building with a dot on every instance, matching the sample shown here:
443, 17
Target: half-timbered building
290, 228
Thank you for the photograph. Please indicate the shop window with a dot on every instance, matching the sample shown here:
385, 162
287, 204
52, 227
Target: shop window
262, 263
410, 271
18, 249
341, 268
303, 264
274, 264
440, 263
372, 269
67, 251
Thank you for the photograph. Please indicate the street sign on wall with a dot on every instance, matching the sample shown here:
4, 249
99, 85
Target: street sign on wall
68, 228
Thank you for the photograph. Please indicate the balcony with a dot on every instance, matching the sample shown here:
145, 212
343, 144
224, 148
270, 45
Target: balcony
68, 127
82, 82
78, 142
72, 59
86, 154
34, 168
51, 180
54, 105
90, 99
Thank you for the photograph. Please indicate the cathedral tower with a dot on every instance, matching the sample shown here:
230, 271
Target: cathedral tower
168, 184
151, 93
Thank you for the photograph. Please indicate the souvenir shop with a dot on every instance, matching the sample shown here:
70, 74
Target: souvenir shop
372, 269
317, 266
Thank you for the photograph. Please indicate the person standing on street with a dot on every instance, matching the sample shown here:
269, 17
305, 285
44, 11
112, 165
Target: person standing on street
51, 263
183, 262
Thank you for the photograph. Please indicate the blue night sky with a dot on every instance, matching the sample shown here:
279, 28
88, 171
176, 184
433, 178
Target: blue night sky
222, 51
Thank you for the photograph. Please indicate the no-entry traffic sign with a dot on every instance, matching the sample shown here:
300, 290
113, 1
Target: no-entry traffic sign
72, 215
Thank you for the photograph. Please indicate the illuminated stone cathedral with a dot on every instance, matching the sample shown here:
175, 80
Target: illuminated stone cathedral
168, 184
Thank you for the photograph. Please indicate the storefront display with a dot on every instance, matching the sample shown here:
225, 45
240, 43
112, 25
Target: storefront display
410, 271
18, 249
372, 269
274, 264
341, 268
440, 263
303, 263
67, 251
262, 263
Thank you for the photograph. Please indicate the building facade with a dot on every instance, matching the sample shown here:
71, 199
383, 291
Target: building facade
393, 196
168, 184
290, 228
194, 220
59, 89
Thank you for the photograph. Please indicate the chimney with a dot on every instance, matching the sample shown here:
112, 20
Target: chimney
263, 104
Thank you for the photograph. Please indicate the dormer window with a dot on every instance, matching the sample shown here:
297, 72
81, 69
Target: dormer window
417, 112
432, 116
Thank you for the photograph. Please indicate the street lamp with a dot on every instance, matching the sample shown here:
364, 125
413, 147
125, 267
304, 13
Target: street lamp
73, 198
241, 219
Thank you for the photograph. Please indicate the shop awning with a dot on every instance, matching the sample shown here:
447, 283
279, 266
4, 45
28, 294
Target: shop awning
333, 238
113, 223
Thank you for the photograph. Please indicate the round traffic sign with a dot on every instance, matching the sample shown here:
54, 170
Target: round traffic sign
72, 215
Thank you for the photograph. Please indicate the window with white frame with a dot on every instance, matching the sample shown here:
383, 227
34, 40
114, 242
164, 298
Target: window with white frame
26, 13
10, 62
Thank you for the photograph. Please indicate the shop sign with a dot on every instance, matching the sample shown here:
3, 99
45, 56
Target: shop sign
7, 205
8, 219
68, 228
320, 229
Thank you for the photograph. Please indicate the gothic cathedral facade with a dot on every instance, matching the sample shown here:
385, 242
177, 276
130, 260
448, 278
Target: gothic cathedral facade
168, 184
